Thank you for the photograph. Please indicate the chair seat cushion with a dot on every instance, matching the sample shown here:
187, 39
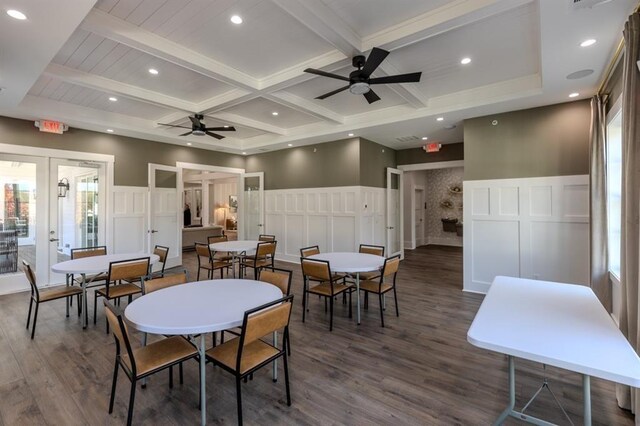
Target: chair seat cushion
253, 354
161, 354
324, 289
374, 286
59, 293
119, 290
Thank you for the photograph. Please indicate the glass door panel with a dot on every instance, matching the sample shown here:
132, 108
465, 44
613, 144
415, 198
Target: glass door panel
395, 242
252, 206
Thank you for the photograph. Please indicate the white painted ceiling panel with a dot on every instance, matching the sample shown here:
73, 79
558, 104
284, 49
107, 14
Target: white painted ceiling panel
261, 109
366, 17
502, 47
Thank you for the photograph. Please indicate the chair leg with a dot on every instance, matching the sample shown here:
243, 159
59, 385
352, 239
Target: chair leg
29, 315
132, 398
325, 304
286, 378
67, 303
381, 310
181, 374
113, 387
95, 307
395, 299
79, 305
171, 377
35, 319
198, 278
221, 277
239, 399
351, 304
288, 342
304, 299
331, 314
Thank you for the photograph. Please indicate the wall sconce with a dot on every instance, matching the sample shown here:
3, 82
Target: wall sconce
63, 187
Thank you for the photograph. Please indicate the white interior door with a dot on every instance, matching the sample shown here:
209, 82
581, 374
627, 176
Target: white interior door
251, 206
77, 208
394, 219
165, 212
418, 217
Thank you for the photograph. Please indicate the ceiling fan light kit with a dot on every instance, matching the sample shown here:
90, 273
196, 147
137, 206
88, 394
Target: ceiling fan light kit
360, 80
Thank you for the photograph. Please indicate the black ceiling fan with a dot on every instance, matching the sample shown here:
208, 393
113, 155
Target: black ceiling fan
198, 128
360, 80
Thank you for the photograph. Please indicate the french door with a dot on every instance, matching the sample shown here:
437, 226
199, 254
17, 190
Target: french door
394, 217
252, 205
164, 221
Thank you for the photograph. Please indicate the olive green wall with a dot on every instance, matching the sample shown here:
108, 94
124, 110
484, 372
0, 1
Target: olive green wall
448, 152
374, 160
545, 141
614, 86
131, 155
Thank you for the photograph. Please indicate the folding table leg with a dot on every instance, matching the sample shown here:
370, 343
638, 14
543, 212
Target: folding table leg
586, 396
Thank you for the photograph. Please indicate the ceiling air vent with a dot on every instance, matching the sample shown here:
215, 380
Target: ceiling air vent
407, 138
585, 4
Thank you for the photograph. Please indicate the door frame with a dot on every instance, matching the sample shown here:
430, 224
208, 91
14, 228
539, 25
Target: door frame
400, 218
241, 207
151, 168
414, 237
46, 154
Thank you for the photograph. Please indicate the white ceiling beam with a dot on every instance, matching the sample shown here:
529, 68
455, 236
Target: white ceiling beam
445, 18
247, 122
116, 29
296, 102
408, 91
295, 74
92, 81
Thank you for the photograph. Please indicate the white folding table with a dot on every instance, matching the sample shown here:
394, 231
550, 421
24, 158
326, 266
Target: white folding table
198, 308
562, 325
352, 263
236, 248
95, 265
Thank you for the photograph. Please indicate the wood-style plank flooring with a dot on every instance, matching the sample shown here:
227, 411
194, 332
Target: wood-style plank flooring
418, 370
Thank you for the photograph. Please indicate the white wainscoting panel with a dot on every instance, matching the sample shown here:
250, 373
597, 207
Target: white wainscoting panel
336, 219
534, 228
129, 219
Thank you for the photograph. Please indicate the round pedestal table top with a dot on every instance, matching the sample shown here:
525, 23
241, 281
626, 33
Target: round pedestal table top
349, 262
98, 264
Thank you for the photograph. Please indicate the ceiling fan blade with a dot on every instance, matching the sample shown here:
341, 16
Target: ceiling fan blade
413, 77
222, 129
215, 135
371, 96
326, 74
186, 134
173, 125
326, 95
373, 61
195, 121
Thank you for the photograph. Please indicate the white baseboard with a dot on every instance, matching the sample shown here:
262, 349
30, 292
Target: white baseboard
444, 241
478, 288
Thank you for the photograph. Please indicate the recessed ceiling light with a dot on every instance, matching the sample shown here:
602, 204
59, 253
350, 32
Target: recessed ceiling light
465, 61
289, 144
588, 42
274, 113
244, 153
153, 71
236, 19
113, 98
350, 134
110, 130
440, 119
424, 138
226, 127
189, 143
574, 95
16, 14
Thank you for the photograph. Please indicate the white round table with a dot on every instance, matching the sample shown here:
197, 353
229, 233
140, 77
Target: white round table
352, 263
235, 248
198, 308
95, 265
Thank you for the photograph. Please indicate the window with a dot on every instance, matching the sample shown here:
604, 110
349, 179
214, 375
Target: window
614, 189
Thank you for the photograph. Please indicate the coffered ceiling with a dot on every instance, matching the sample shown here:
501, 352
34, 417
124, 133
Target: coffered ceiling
69, 57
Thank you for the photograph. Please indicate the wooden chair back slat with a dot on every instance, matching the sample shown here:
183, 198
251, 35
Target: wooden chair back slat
309, 251
280, 278
265, 322
162, 252
266, 248
391, 266
156, 284
129, 269
79, 253
203, 250
217, 239
370, 249
265, 237
31, 278
318, 269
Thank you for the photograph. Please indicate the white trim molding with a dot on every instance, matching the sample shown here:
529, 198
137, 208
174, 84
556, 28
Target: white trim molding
431, 166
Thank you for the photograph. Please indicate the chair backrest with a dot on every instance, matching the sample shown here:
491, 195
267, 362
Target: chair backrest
217, 239
264, 320
156, 284
281, 278
266, 248
202, 250
316, 269
371, 249
78, 253
31, 278
266, 237
390, 268
162, 252
120, 332
309, 251
132, 269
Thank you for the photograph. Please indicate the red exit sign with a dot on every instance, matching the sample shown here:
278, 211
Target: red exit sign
432, 147
50, 126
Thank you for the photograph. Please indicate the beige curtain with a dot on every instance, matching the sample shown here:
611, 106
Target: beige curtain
630, 245
598, 203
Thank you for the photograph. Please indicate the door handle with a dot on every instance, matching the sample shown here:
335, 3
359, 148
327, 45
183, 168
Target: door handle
53, 239
260, 225
390, 227
152, 231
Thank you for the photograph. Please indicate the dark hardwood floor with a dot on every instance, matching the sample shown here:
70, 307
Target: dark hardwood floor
418, 370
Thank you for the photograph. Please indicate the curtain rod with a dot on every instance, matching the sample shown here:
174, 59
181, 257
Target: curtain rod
614, 59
